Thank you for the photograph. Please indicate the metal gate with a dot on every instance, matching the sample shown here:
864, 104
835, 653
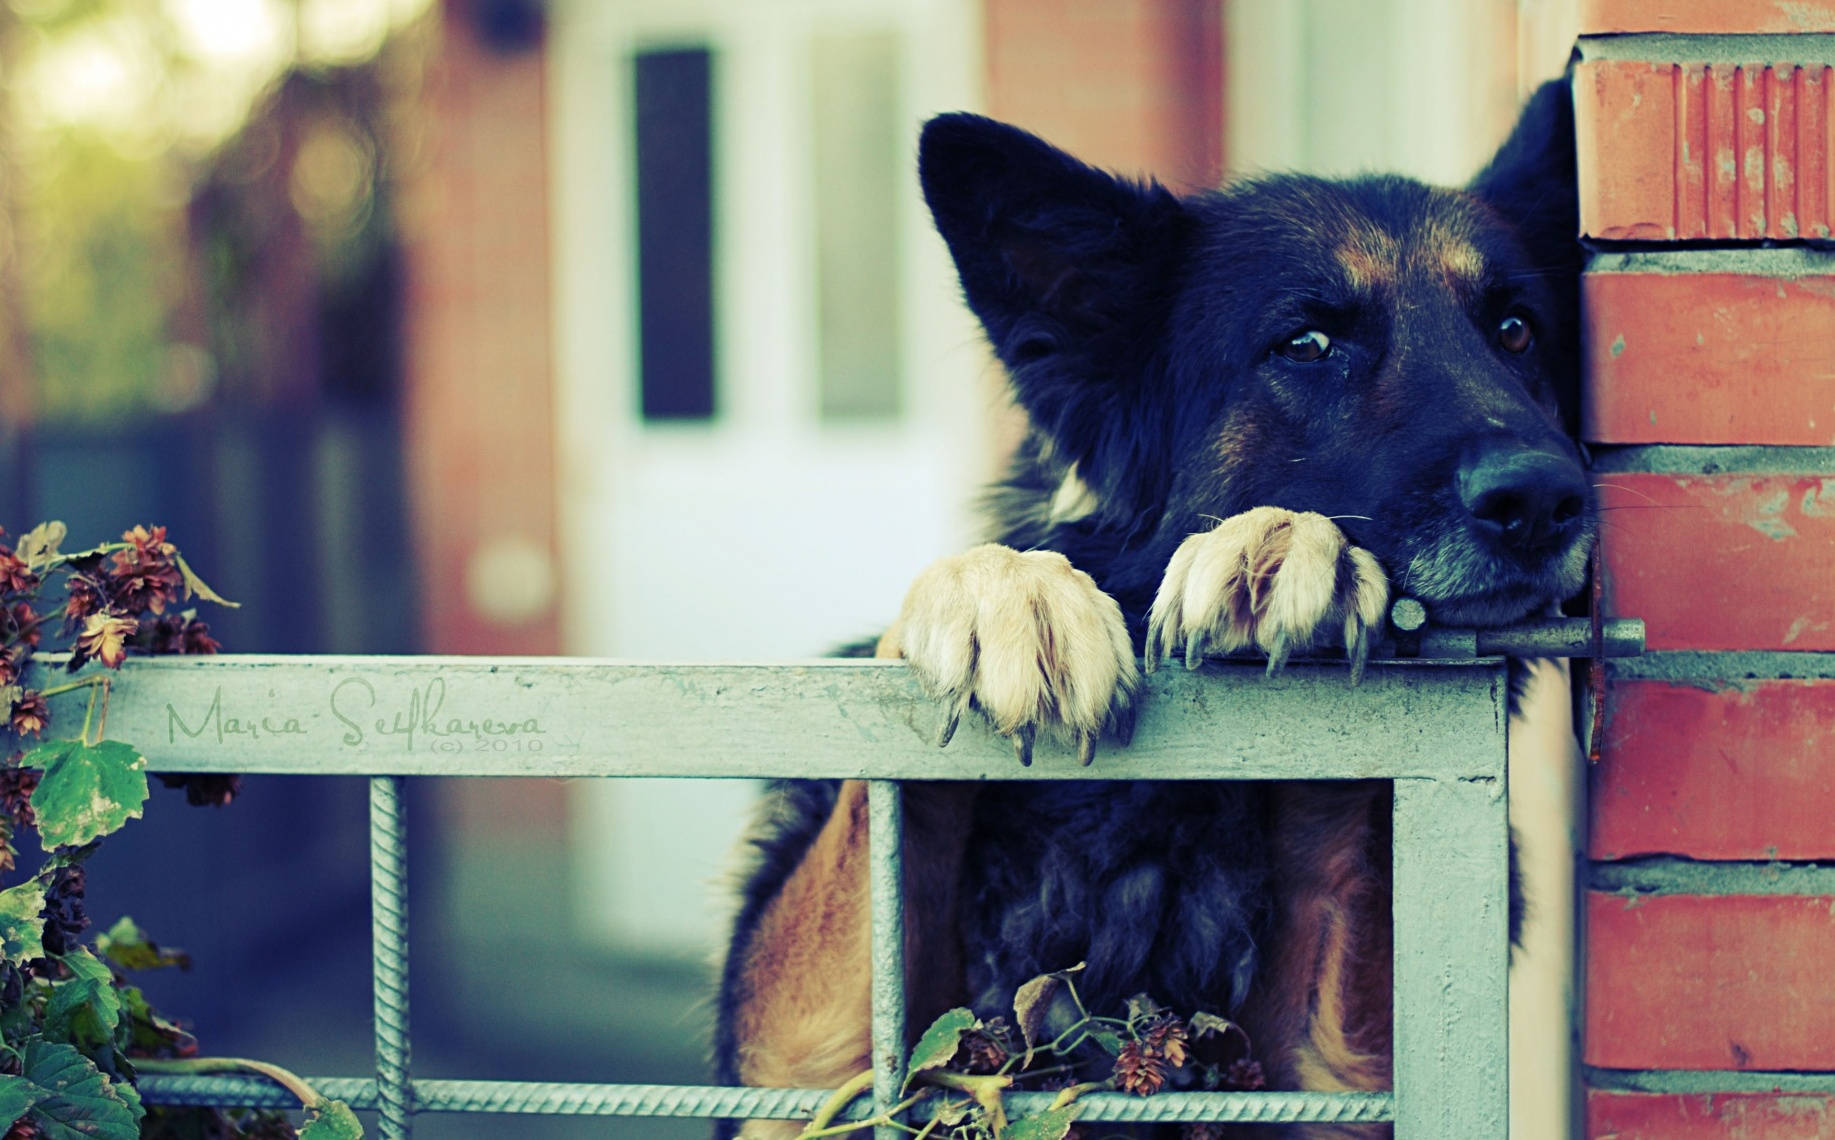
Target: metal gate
1433, 723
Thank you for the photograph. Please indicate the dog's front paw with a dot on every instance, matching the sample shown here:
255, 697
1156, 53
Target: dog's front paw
1276, 579
1027, 638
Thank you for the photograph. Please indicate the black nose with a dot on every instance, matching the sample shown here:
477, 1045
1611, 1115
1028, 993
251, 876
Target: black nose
1524, 498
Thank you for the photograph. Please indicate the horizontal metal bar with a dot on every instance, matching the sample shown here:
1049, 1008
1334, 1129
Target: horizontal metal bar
1618, 637
775, 1104
548, 717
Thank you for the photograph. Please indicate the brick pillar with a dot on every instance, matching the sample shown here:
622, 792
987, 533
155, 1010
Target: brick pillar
479, 405
1706, 128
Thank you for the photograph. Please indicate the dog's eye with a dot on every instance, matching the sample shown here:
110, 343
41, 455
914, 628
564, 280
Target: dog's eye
1513, 333
1306, 347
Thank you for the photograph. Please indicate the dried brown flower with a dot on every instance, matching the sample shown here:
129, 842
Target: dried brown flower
14, 577
1245, 1075
21, 622
1138, 1072
145, 575
16, 788
85, 597
1167, 1039
104, 638
31, 714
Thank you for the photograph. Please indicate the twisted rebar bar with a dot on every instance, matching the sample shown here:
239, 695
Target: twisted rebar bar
389, 950
550, 1098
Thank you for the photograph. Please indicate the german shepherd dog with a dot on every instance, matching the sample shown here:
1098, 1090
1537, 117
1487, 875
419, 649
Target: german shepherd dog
1254, 414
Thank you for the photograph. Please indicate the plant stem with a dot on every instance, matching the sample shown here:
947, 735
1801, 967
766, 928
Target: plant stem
89, 682
309, 1097
842, 1097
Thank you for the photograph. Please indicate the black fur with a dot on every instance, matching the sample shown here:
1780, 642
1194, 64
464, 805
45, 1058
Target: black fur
1141, 332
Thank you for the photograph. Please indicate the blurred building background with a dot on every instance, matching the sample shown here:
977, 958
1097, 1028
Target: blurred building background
603, 327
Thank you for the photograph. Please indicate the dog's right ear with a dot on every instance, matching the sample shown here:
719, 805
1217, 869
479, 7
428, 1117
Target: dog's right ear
1058, 259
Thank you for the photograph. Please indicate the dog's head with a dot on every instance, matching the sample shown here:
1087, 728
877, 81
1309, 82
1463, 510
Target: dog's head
1398, 357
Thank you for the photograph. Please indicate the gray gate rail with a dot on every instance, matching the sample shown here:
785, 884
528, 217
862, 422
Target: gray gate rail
1434, 727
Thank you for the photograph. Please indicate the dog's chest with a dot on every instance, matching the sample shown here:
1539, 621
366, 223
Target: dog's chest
1157, 887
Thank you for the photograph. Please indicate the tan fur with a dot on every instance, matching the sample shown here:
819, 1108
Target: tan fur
1369, 258
1268, 578
1444, 248
807, 984
1321, 1013
805, 1019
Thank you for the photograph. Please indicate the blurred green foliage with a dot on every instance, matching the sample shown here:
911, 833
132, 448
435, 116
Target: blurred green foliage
185, 199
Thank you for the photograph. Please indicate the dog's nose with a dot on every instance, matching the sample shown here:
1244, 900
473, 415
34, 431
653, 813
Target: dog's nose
1524, 498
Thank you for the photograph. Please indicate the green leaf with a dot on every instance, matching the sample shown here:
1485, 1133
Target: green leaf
85, 1008
143, 1031
1111, 1042
334, 1121
22, 923
127, 946
87, 790
77, 1101
195, 587
1052, 1124
16, 1096
939, 1042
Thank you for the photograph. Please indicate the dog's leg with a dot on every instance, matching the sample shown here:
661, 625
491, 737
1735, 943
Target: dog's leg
1031, 643
804, 1014
1283, 581
1321, 1012
1278, 580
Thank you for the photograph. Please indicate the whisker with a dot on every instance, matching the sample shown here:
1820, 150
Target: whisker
1622, 487
1365, 518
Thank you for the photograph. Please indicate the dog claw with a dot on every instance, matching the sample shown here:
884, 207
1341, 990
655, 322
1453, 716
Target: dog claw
1121, 723
1194, 654
1086, 748
1022, 744
948, 731
1278, 654
1359, 653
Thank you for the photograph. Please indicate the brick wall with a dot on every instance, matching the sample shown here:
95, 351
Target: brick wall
1706, 128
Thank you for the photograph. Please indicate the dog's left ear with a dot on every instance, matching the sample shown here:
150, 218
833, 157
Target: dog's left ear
1533, 183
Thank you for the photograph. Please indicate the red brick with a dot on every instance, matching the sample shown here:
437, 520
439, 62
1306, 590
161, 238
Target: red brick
1699, 982
1672, 151
1754, 351
1722, 561
1713, 1116
1605, 17
1744, 770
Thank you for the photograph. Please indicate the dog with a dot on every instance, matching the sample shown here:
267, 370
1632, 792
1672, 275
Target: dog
1255, 415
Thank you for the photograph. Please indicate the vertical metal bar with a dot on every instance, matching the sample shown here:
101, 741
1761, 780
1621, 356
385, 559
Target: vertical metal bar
389, 954
1452, 953
885, 843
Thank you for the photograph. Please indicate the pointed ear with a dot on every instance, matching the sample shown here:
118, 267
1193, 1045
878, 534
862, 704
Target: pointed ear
1532, 180
1058, 259
1532, 183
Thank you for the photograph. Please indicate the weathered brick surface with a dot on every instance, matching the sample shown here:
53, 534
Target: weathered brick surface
1599, 17
1722, 561
1735, 770
1710, 358
1716, 1116
1673, 151
1710, 982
